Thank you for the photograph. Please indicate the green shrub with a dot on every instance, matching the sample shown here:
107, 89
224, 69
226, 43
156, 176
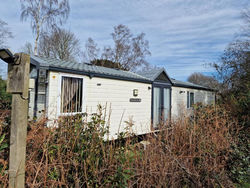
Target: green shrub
238, 164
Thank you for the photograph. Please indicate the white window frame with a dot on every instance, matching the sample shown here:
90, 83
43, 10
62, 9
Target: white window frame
59, 113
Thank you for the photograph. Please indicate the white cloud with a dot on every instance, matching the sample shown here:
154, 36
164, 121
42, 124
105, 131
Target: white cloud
183, 34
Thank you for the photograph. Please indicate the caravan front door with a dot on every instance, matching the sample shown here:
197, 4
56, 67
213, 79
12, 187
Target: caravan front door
161, 105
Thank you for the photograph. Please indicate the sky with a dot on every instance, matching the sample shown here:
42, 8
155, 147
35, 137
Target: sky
184, 35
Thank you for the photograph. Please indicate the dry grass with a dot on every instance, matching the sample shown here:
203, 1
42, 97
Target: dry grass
190, 152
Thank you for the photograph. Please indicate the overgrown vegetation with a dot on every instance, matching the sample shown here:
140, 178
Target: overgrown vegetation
5, 98
188, 153
4, 145
234, 72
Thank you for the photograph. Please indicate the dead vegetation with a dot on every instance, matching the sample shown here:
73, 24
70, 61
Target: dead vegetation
190, 152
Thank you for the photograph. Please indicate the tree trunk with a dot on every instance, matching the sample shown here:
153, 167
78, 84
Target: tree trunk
36, 40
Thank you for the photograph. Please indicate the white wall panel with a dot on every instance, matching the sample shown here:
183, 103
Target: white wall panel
113, 93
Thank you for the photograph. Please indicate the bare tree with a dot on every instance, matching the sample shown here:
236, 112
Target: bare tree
45, 45
246, 19
27, 48
233, 69
203, 80
5, 33
108, 53
60, 44
91, 52
128, 51
44, 13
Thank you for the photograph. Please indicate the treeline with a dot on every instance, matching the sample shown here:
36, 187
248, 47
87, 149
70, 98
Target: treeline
129, 51
232, 81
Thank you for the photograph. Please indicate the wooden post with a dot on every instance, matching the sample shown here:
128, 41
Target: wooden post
18, 85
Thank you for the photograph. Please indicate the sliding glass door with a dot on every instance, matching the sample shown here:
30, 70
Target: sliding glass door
161, 105
166, 103
157, 106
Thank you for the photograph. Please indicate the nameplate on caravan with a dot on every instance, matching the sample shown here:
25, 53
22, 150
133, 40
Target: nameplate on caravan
134, 100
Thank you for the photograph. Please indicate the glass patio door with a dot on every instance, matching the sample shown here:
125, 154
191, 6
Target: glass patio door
166, 103
161, 105
157, 106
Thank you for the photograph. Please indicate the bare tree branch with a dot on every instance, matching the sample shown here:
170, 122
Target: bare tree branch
5, 33
203, 80
60, 44
129, 52
44, 13
234, 67
27, 48
91, 51
246, 19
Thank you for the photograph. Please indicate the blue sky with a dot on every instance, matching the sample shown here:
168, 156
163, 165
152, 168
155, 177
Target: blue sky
184, 35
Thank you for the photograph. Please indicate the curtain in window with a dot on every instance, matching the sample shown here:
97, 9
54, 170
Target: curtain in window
71, 94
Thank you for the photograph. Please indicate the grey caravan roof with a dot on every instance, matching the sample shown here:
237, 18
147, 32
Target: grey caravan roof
189, 85
153, 74
86, 69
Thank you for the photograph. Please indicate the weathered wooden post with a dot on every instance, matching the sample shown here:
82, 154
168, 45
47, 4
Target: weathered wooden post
18, 85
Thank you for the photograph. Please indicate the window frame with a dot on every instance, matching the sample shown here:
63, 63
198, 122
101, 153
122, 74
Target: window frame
162, 86
61, 75
189, 105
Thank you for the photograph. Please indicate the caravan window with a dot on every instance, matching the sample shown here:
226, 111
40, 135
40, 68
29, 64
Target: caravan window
71, 94
190, 99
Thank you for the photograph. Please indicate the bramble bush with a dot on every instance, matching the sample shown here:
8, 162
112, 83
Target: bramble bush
191, 152
5, 98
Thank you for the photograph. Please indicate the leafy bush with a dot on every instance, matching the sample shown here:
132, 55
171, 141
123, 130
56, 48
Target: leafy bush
239, 160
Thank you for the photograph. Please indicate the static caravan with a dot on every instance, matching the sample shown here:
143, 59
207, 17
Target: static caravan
186, 94
59, 88
172, 98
